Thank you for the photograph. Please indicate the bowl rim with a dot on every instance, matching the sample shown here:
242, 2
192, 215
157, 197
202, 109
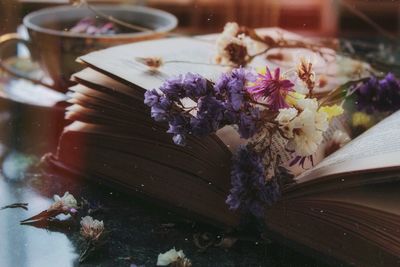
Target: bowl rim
172, 22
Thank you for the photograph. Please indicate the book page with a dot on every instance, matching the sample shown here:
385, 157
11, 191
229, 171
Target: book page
121, 60
377, 148
185, 54
383, 197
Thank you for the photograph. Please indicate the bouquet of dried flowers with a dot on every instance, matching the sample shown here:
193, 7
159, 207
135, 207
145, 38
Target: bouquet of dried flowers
267, 109
262, 107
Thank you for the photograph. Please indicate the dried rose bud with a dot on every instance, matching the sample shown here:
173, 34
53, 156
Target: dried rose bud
152, 62
66, 204
306, 74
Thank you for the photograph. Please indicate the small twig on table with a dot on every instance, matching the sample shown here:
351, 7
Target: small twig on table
16, 205
86, 252
291, 44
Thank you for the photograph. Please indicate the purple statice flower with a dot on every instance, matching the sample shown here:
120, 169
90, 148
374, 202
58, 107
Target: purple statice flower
167, 106
249, 192
232, 86
272, 89
173, 88
376, 95
247, 124
194, 85
188, 85
160, 110
179, 126
225, 103
209, 116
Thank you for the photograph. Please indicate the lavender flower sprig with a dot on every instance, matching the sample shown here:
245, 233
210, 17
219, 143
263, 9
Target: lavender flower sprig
217, 105
250, 193
376, 95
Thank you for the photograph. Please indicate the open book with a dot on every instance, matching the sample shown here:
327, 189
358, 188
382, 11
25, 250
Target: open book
346, 207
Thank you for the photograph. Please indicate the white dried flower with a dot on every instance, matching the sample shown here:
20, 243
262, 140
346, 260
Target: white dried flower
169, 257
305, 129
305, 73
77, 3
231, 29
307, 137
231, 50
284, 118
234, 48
91, 229
66, 203
153, 63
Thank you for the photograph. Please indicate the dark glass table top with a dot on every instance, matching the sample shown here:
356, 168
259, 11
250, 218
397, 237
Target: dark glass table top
137, 231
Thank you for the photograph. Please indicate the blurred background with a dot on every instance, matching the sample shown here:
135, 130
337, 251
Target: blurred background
311, 17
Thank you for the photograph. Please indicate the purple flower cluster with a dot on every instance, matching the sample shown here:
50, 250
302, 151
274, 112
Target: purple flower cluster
166, 104
249, 191
378, 95
231, 90
224, 103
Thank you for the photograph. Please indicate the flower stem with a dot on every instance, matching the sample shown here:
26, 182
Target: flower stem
86, 252
199, 63
16, 205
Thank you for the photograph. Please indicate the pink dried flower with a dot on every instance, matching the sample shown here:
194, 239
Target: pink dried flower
272, 88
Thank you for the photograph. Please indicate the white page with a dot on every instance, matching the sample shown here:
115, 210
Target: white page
121, 60
377, 148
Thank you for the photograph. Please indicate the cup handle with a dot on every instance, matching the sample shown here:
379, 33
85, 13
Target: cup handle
14, 37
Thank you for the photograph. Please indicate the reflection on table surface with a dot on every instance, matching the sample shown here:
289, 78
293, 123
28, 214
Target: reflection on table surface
25, 245
138, 232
